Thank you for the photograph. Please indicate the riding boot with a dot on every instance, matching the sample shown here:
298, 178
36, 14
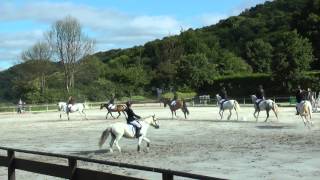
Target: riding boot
138, 132
297, 111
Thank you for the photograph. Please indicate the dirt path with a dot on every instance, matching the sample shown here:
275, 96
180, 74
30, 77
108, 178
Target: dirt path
202, 144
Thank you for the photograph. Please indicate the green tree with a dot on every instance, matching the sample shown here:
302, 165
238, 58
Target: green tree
292, 56
195, 70
259, 55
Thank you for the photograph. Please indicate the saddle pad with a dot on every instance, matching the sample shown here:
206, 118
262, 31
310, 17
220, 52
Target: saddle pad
131, 128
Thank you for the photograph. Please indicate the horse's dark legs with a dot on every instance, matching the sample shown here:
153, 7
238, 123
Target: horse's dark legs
112, 115
171, 114
107, 115
118, 115
184, 112
68, 115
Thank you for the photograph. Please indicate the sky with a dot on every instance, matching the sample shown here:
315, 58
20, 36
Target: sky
112, 23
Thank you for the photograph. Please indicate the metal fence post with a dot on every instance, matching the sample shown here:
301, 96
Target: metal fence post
11, 166
167, 176
73, 167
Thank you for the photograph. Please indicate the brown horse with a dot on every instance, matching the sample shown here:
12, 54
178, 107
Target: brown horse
119, 108
179, 104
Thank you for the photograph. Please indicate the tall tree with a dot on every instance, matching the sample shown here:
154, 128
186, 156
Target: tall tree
40, 54
70, 45
292, 56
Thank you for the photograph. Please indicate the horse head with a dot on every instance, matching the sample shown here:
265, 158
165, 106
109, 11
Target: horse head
165, 102
218, 97
152, 121
102, 105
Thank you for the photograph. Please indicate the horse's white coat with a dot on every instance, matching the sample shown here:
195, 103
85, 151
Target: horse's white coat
62, 107
119, 130
305, 112
229, 105
264, 105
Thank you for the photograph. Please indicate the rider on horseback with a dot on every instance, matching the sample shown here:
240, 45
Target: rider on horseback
260, 96
133, 119
174, 100
70, 103
111, 102
224, 97
302, 95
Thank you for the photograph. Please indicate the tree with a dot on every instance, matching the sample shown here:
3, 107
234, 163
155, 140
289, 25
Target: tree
40, 54
259, 55
195, 70
70, 45
293, 55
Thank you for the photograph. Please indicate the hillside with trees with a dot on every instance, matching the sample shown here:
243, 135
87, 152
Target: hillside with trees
276, 44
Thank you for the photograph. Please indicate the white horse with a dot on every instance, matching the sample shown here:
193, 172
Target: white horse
305, 112
62, 107
119, 130
264, 105
229, 105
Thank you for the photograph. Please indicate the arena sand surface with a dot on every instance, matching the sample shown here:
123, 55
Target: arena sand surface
201, 144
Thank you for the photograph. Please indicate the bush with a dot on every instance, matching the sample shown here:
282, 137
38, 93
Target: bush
181, 95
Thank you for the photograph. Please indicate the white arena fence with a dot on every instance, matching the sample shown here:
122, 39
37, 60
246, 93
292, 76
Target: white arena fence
196, 101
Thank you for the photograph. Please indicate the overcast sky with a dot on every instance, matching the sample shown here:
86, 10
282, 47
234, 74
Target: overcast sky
112, 23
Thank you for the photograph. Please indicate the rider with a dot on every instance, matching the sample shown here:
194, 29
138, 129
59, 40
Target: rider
174, 100
224, 96
111, 102
299, 97
133, 119
260, 96
70, 103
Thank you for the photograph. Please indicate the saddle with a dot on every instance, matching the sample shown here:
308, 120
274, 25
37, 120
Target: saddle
133, 129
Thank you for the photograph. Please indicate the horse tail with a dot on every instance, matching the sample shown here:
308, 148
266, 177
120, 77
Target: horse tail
236, 105
184, 105
104, 136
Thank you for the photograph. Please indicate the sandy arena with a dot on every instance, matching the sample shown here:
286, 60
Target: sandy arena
202, 144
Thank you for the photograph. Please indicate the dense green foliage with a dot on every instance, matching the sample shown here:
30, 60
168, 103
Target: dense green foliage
273, 44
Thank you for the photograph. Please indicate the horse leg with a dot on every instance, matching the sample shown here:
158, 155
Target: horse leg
139, 143
237, 114
148, 142
118, 115
111, 143
257, 116
107, 115
112, 115
83, 113
267, 110
116, 142
222, 114
68, 116
171, 114
275, 113
230, 113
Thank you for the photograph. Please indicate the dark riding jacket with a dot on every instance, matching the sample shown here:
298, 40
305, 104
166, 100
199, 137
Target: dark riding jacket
131, 115
111, 101
224, 94
299, 95
71, 101
260, 94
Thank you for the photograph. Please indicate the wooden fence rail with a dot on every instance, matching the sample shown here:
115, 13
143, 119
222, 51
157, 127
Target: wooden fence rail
73, 172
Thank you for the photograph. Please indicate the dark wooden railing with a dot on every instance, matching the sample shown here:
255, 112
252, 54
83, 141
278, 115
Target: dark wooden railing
71, 171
